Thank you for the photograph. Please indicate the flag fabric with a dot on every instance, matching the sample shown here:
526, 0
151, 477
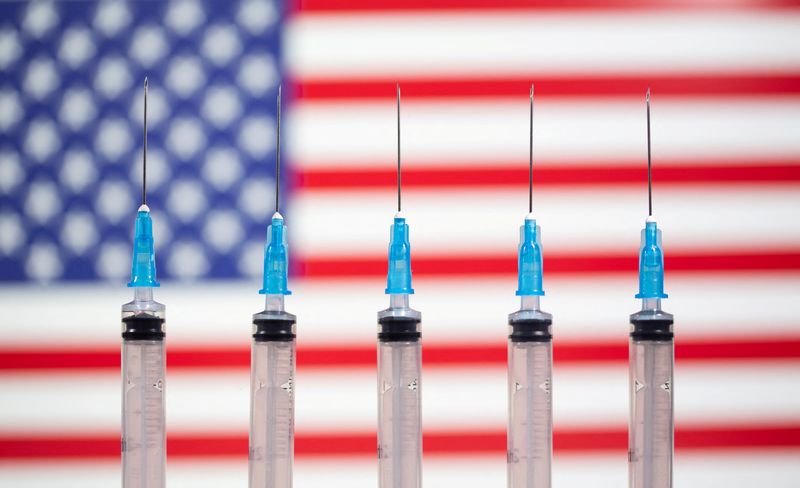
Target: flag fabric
725, 83
71, 147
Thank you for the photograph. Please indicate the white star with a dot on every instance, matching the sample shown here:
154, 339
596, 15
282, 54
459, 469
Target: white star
113, 77
222, 168
10, 47
113, 138
186, 200
10, 109
114, 200
187, 261
42, 140
185, 75
221, 106
222, 230
185, 138
77, 108
76, 47
78, 232
41, 78
40, 18
183, 16
221, 44
112, 16
251, 259
43, 263
148, 45
78, 170
257, 74
257, 15
114, 261
11, 173
257, 197
257, 136
12, 235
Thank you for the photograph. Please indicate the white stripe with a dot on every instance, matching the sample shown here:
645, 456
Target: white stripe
393, 44
454, 399
462, 132
483, 221
584, 308
737, 469
456, 310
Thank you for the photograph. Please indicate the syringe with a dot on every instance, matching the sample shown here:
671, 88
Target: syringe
651, 431
399, 362
530, 361
272, 365
143, 437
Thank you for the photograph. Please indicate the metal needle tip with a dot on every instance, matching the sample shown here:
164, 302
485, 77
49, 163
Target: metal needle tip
399, 176
649, 161
530, 159
278, 152
144, 147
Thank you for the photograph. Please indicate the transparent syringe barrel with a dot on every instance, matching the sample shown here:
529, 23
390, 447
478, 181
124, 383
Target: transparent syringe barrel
399, 414
272, 414
143, 437
530, 414
651, 422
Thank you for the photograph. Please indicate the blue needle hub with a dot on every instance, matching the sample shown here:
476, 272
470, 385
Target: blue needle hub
651, 263
143, 267
276, 259
398, 280
529, 262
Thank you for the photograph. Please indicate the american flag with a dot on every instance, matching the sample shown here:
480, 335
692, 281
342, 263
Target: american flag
725, 77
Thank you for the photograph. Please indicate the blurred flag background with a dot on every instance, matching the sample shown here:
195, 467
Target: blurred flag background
725, 78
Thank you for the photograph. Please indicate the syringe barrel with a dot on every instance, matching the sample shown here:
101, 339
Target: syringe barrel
530, 406
272, 387
651, 429
399, 406
143, 386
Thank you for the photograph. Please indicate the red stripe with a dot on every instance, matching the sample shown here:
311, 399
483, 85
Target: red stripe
557, 264
421, 6
585, 440
565, 353
440, 175
698, 85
